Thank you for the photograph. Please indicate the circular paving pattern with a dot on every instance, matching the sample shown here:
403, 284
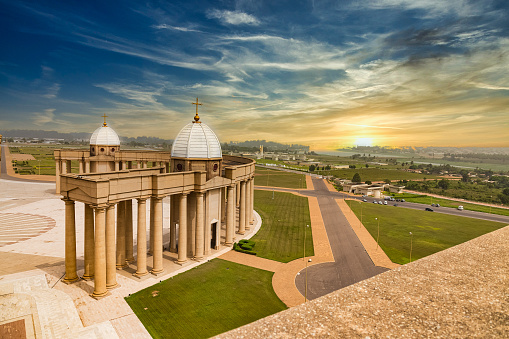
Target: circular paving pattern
15, 227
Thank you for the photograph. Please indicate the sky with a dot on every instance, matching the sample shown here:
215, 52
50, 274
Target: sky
325, 73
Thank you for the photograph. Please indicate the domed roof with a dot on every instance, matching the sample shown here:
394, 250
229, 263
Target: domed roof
105, 136
196, 140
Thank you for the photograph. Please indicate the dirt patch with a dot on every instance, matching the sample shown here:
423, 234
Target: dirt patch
22, 157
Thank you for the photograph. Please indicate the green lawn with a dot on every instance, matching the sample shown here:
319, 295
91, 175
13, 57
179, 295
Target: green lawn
375, 174
44, 158
270, 177
425, 199
432, 232
210, 299
284, 221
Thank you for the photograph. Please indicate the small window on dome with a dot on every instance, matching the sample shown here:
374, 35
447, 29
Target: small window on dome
102, 149
215, 167
113, 149
92, 151
179, 167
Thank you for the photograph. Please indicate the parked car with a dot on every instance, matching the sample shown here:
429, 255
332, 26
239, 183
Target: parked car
460, 208
395, 205
432, 205
385, 202
374, 202
380, 202
397, 200
364, 200
429, 209
402, 200
392, 199
437, 205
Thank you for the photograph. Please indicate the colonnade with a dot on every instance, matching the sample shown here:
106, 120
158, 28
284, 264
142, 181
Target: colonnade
108, 245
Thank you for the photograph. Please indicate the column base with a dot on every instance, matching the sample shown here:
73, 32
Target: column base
88, 277
228, 244
112, 287
198, 259
241, 232
121, 267
98, 296
158, 272
141, 275
129, 260
179, 262
173, 250
69, 281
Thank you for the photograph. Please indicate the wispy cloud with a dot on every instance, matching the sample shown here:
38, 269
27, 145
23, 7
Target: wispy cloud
233, 18
175, 28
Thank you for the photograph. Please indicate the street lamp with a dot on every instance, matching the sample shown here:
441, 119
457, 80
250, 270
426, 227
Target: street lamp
491, 199
411, 241
306, 292
378, 231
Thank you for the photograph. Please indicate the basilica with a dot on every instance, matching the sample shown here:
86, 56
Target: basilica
210, 198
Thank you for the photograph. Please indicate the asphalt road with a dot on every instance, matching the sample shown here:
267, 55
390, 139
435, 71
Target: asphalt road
351, 262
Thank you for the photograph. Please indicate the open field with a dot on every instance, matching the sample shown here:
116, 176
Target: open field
425, 199
432, 232
210, 299
276, 178
483, 165
43, 158
375, 174
281, 236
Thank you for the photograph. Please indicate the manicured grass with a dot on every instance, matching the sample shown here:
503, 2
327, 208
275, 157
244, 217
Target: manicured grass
270, 177
376, 174
284, 221
432, 232
425, 199
210, 299
44, 158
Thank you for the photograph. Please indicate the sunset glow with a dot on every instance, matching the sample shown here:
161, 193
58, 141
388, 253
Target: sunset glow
321, 73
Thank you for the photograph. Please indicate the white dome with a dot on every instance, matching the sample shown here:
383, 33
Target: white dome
105, 136
196, 140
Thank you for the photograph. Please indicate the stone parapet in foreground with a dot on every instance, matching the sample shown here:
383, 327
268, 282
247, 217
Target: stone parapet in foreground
457, 293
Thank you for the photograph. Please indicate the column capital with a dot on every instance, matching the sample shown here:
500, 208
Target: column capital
200, 194
142, 199
67, 200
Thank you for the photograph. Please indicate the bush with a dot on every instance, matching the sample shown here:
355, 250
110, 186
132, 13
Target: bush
237, 248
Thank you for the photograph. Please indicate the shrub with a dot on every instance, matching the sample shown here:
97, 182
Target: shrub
237, 248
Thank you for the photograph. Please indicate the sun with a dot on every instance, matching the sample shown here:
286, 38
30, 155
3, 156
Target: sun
363, 142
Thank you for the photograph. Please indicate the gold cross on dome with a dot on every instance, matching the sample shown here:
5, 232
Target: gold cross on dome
104, 116
196, 117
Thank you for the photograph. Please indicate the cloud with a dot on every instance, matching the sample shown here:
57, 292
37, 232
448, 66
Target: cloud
233, 18
175, 28
52, 91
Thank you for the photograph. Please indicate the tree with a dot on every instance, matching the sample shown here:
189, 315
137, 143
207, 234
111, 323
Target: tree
367, 165
443, 184
327, 167
387, 181
356, 177
312, 168
368, 182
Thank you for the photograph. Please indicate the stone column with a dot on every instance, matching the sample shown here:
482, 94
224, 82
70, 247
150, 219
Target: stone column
87, 166
58, 165
63, 164
100, 289
238, 194
242, 216
129, 245
248, 203
230, 216
111, 272
121, 235
117, 166
141, 262
223, 204
173, 223
89, 243
81, 166
251, 207
70, 243
199, 227
158, 236
151, 225
145, 164
182, 244
138, 164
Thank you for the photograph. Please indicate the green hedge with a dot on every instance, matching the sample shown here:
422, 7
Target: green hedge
244, 247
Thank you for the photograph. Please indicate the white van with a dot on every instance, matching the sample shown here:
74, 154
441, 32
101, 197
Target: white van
460, 208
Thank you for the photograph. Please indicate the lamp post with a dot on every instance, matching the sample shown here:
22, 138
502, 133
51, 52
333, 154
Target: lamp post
378, 232
306, 292
491, 199
411, 241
